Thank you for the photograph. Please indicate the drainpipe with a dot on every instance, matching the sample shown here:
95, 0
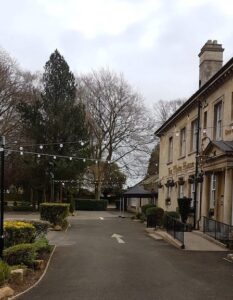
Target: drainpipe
197, 161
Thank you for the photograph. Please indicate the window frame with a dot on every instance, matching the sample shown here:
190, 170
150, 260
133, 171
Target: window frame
194, 129
218, 116
170, 149
183, 142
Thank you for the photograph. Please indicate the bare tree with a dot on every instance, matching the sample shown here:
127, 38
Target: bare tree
164, 109
14, 86
120, 124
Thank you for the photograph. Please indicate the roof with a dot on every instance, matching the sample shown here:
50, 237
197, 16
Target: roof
151, 179
227, 68
225, 146
137, 191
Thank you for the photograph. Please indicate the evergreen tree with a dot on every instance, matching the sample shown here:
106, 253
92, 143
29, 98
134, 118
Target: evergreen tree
55, 116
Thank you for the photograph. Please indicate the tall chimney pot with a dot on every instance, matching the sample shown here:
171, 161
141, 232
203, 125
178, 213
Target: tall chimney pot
211, 60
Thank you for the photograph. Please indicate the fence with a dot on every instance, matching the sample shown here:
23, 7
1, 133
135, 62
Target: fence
219, 231
176, 229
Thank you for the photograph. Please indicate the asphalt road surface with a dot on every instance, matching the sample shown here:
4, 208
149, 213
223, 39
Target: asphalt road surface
89, 264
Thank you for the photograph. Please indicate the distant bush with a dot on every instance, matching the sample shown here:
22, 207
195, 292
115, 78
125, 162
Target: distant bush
4, 272
18, 232
97, 205
23, 206
13, 197
55, 213
20, 254
144, 207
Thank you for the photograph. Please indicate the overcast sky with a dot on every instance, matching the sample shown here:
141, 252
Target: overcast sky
155, 43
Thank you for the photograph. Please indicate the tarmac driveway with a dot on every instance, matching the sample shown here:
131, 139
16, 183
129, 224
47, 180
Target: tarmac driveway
89, 263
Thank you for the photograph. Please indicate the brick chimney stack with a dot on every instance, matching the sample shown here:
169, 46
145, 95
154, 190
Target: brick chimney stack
211, 60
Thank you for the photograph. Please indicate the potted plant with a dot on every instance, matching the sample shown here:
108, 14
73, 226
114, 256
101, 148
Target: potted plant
181, 181
168, 201
160, 185
191, 179
170, 183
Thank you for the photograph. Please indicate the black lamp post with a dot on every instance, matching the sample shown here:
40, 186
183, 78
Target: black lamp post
2, 145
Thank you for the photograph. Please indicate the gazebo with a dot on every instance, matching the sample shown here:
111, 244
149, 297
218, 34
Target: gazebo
137, 196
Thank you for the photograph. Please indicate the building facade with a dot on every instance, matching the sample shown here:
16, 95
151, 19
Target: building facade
196, 143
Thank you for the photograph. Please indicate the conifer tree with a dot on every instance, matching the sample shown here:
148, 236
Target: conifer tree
54, 116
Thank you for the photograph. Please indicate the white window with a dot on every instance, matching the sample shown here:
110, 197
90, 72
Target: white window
218, 121
212, 190
194, 135
181, 191
192, 193
170, 149
182, 142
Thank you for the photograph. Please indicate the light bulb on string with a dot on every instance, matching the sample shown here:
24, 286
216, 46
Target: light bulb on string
21, 148
38, 155
96, 162
61, 145
82, 143
54, 157
21, 152
41, 147
71, 158
84, 160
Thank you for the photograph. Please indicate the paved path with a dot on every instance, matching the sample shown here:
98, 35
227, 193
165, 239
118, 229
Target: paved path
89, 264
196, 242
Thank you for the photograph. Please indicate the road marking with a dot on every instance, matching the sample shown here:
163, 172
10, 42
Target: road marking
230, 261
101, 218
118, 237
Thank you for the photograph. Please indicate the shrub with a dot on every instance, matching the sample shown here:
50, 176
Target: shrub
41, 227
157, 212
4, 272
81, 204
172, 214
184, 208
138, 215
23, 206
20, 254
18, 232
55, 213
144, 207
42, 247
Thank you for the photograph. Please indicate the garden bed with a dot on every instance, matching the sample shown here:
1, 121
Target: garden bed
31, 277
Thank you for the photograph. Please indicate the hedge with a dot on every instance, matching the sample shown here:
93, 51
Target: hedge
4, 272
144, 207
41, 227
18, 232
42, 247
20, 254
55, 213
83, 204
157, 212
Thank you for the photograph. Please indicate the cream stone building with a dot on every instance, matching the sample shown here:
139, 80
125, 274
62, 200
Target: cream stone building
196, 143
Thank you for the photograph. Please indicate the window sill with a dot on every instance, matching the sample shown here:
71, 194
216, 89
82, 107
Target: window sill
181, 157
191, 153
169, 163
